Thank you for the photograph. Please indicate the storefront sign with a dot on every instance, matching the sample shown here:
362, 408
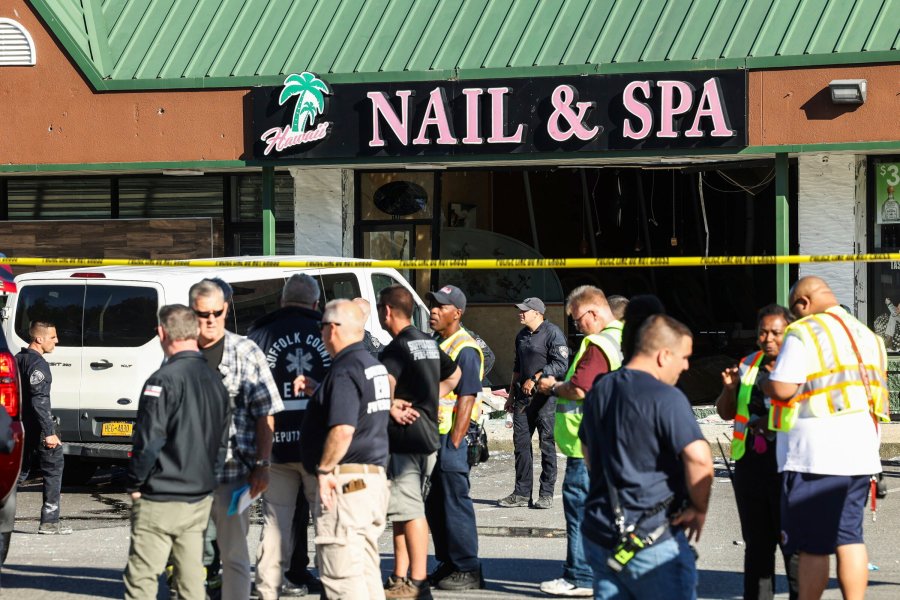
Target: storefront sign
692, 110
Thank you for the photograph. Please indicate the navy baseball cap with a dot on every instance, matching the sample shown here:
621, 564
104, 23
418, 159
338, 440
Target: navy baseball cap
532, 304
449, 294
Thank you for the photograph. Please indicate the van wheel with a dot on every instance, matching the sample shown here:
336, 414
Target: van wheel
78, 471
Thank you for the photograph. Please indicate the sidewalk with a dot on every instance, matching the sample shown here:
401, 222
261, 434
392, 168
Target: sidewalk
714, 428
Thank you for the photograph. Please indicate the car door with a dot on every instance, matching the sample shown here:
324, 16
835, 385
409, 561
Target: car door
60, 303
121, 350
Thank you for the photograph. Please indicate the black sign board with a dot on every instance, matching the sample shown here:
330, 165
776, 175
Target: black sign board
307, 118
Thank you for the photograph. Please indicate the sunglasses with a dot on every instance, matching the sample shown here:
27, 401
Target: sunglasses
322, 324
205, 314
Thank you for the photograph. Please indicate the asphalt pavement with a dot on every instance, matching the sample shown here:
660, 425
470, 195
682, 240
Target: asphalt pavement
520, 547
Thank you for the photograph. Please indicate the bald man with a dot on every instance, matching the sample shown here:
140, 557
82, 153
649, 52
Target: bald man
373, 344
828, 392
344, 452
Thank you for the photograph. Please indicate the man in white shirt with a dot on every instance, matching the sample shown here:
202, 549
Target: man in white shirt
828, 440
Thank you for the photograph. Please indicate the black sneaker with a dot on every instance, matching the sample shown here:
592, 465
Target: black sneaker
289, 589
312, 583
443, 570
513, 501
463, 580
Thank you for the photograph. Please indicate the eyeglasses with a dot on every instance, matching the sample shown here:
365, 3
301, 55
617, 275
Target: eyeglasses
205, 314
322, 324
577, 319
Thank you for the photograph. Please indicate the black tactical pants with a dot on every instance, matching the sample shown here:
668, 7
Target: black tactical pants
50, 461
538, 415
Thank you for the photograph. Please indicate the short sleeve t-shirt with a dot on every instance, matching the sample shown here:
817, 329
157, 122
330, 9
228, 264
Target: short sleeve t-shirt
844, 445
469, 362
592, 365
355, 392
638, 427
414, 359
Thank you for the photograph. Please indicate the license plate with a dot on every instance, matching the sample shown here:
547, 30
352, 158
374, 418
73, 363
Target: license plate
117, 429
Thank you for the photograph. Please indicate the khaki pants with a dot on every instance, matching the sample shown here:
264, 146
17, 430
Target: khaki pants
158, 528
231, 534
347, 536
275, 544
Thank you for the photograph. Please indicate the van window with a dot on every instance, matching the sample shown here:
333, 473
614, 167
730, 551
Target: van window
119, 316
381, 281
338, 285
252, 300
59, 304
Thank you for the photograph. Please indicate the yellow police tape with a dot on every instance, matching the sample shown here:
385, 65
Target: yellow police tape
472, 263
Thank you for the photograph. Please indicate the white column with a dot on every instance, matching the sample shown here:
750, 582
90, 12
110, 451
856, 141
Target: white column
831, 220
321, 198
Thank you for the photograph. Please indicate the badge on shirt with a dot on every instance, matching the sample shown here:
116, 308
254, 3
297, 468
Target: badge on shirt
564, 351
36, 377
152, 390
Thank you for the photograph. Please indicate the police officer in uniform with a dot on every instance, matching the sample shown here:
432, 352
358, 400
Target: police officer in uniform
344, 448
290, 339
449, 508
757, 483
541, 351
41, 439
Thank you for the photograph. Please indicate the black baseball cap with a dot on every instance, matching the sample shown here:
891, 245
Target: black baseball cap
449, 294
532, 304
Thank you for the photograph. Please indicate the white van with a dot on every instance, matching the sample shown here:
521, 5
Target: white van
106, 322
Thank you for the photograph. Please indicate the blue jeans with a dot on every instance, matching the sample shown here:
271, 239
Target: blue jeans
665, 570
574, 492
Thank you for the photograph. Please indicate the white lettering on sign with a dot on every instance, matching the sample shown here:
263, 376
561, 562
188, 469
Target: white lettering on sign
280, 139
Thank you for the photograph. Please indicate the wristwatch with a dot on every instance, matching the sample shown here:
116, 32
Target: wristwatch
321, 471
264, 463
553, 388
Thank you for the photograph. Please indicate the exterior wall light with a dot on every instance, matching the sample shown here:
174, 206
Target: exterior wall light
848, 91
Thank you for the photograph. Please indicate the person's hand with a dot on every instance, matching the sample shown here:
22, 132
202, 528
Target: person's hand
455, 439
327, 490
135, 496
51, 441
508, 406
528, 387
305, 385
259, 481
544, 385
731, 378
403, 413
692, 520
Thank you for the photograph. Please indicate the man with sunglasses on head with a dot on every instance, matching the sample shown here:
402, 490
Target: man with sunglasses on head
600, 352
290, 339
254, 400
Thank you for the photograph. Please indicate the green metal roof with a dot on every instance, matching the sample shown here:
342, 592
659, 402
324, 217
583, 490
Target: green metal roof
158, 44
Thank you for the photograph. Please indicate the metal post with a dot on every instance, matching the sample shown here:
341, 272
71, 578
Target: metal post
782, 226
268, 211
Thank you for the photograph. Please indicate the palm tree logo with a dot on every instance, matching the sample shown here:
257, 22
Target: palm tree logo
311, 101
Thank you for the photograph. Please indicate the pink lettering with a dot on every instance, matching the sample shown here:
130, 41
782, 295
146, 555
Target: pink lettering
280, 139
498, 119
473, 116
381, 105
710, 105
435, 115
639, 109
668, 108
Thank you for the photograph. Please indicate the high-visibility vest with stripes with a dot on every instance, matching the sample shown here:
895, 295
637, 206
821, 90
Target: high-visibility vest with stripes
750, 367
569, 410
453, 345
838, 387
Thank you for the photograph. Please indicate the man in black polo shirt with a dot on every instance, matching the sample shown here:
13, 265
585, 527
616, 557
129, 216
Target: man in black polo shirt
422, 373
344, 452
541, 351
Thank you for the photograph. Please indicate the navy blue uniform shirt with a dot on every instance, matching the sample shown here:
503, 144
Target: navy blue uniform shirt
543, 350
356, 392
637, 426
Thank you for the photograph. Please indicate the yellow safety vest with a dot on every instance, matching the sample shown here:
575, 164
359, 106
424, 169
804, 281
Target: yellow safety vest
453, 345
748, 380
839, 385
569, 410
